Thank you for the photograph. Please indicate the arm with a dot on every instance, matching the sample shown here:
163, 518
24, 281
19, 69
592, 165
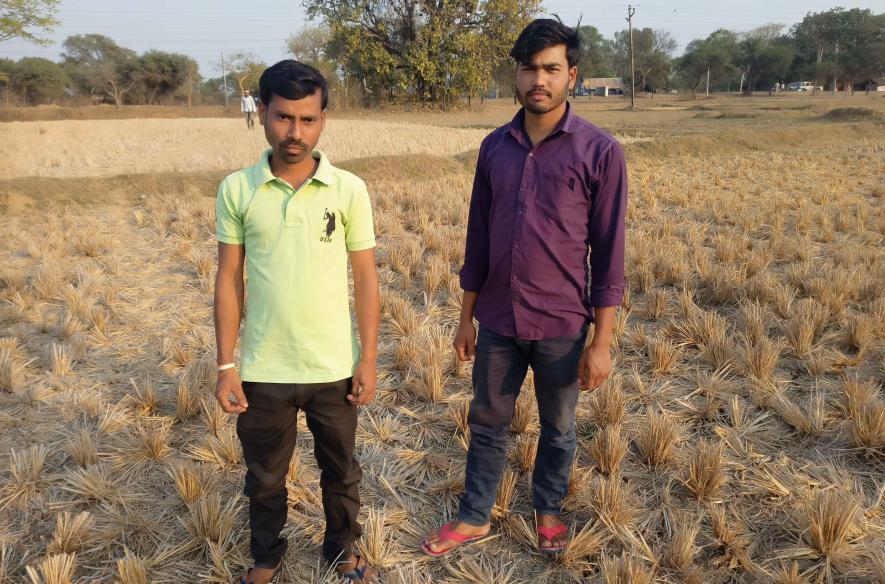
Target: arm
606, 265
476, 258
228, 310
368, 315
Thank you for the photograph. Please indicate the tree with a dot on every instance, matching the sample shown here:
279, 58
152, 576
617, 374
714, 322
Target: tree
8, 70
246, 69
713, 56
653, 57
428, 51
596, 54
100, 67
40, 80
759, 55
27, 19
159, 75
309, 44
831, 42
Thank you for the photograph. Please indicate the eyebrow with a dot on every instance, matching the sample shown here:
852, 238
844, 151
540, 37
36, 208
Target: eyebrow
541, 65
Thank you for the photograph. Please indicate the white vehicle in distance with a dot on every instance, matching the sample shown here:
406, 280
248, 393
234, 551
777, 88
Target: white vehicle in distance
801, 86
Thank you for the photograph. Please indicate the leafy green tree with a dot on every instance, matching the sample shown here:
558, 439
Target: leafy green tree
40, 80
100, 67
839, 41
160, 75
758, 54
429, 51
596, 54
653, 57
28, 19
714, 55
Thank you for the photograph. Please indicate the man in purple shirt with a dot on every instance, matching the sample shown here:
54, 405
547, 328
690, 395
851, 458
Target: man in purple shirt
544, 258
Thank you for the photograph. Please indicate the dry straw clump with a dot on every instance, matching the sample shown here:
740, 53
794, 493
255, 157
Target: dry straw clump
706, 470
657, 438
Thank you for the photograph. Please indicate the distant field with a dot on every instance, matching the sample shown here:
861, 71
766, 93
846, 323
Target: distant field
741, 439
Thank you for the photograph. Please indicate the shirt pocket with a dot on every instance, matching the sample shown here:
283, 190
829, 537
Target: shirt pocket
560, 199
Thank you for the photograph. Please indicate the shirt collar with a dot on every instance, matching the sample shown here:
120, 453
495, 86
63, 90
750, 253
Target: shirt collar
566, 124
325, 172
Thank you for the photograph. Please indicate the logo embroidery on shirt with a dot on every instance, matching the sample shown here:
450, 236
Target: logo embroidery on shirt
329, 217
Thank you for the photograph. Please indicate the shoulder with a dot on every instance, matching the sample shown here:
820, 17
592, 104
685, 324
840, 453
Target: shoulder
594, 138
348, 183
493, 140
237, 184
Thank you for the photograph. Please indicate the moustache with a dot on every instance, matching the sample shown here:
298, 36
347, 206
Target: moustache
293, 143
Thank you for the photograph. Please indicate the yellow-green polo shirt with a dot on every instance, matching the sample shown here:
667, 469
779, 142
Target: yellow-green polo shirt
298, 318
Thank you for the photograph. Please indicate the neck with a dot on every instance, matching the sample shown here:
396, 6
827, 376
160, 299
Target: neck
294, 174
539, 126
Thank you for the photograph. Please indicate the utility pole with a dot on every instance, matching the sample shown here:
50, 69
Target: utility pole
630, 12
708, 83
224, 76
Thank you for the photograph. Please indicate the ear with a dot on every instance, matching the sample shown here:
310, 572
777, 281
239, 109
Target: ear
262, 112
323, 121
572, 77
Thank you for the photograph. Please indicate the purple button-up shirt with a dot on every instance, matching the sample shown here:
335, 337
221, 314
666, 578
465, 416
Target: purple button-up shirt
536, 214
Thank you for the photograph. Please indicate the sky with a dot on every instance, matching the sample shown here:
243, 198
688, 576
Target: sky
204, 29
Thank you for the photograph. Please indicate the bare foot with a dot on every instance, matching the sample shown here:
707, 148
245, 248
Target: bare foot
261, 575
437, 544
370, 575
559, 540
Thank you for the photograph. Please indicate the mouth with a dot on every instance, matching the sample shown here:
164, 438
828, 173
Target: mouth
538, 95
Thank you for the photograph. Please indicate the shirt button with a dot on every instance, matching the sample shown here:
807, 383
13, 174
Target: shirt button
531, 154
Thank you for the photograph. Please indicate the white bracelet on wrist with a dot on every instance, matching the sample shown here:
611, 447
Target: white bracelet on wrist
225, 367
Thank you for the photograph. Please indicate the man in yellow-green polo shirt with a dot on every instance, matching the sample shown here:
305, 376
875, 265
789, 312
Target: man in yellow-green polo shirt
294, 220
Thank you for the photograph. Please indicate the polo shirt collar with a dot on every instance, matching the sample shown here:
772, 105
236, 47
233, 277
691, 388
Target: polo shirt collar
325, 172
566, 124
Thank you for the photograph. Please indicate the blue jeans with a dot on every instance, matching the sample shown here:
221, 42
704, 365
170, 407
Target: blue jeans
498, 373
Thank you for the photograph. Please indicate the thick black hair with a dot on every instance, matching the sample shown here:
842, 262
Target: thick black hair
292, 80
543, 33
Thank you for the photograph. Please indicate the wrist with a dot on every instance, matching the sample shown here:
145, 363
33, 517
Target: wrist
600, 343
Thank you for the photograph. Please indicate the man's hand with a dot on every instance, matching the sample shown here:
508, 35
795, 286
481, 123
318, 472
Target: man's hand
365, 383
594, 368
465, 340
229, 392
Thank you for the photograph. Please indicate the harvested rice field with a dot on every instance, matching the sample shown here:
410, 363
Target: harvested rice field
740, 439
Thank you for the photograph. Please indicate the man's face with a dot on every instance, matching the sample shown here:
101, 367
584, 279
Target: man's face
544, 83
293, 126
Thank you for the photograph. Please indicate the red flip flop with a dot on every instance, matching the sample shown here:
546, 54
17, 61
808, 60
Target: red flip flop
447, 534
550, 533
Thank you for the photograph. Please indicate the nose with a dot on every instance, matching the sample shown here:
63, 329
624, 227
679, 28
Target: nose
294, 132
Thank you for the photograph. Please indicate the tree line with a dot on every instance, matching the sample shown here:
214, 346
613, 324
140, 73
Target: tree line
442, 52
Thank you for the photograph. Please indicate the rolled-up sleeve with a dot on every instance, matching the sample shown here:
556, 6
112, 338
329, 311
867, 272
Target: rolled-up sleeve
476, 249
607, 230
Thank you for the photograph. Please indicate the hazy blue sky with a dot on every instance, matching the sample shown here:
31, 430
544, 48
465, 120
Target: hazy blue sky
204, 28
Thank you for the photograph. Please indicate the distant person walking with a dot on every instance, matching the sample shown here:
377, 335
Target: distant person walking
247, 106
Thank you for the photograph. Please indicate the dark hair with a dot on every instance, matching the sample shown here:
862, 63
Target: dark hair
292, 80
543, 33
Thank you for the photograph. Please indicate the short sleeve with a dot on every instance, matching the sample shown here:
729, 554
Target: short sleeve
228, 220
359, 230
